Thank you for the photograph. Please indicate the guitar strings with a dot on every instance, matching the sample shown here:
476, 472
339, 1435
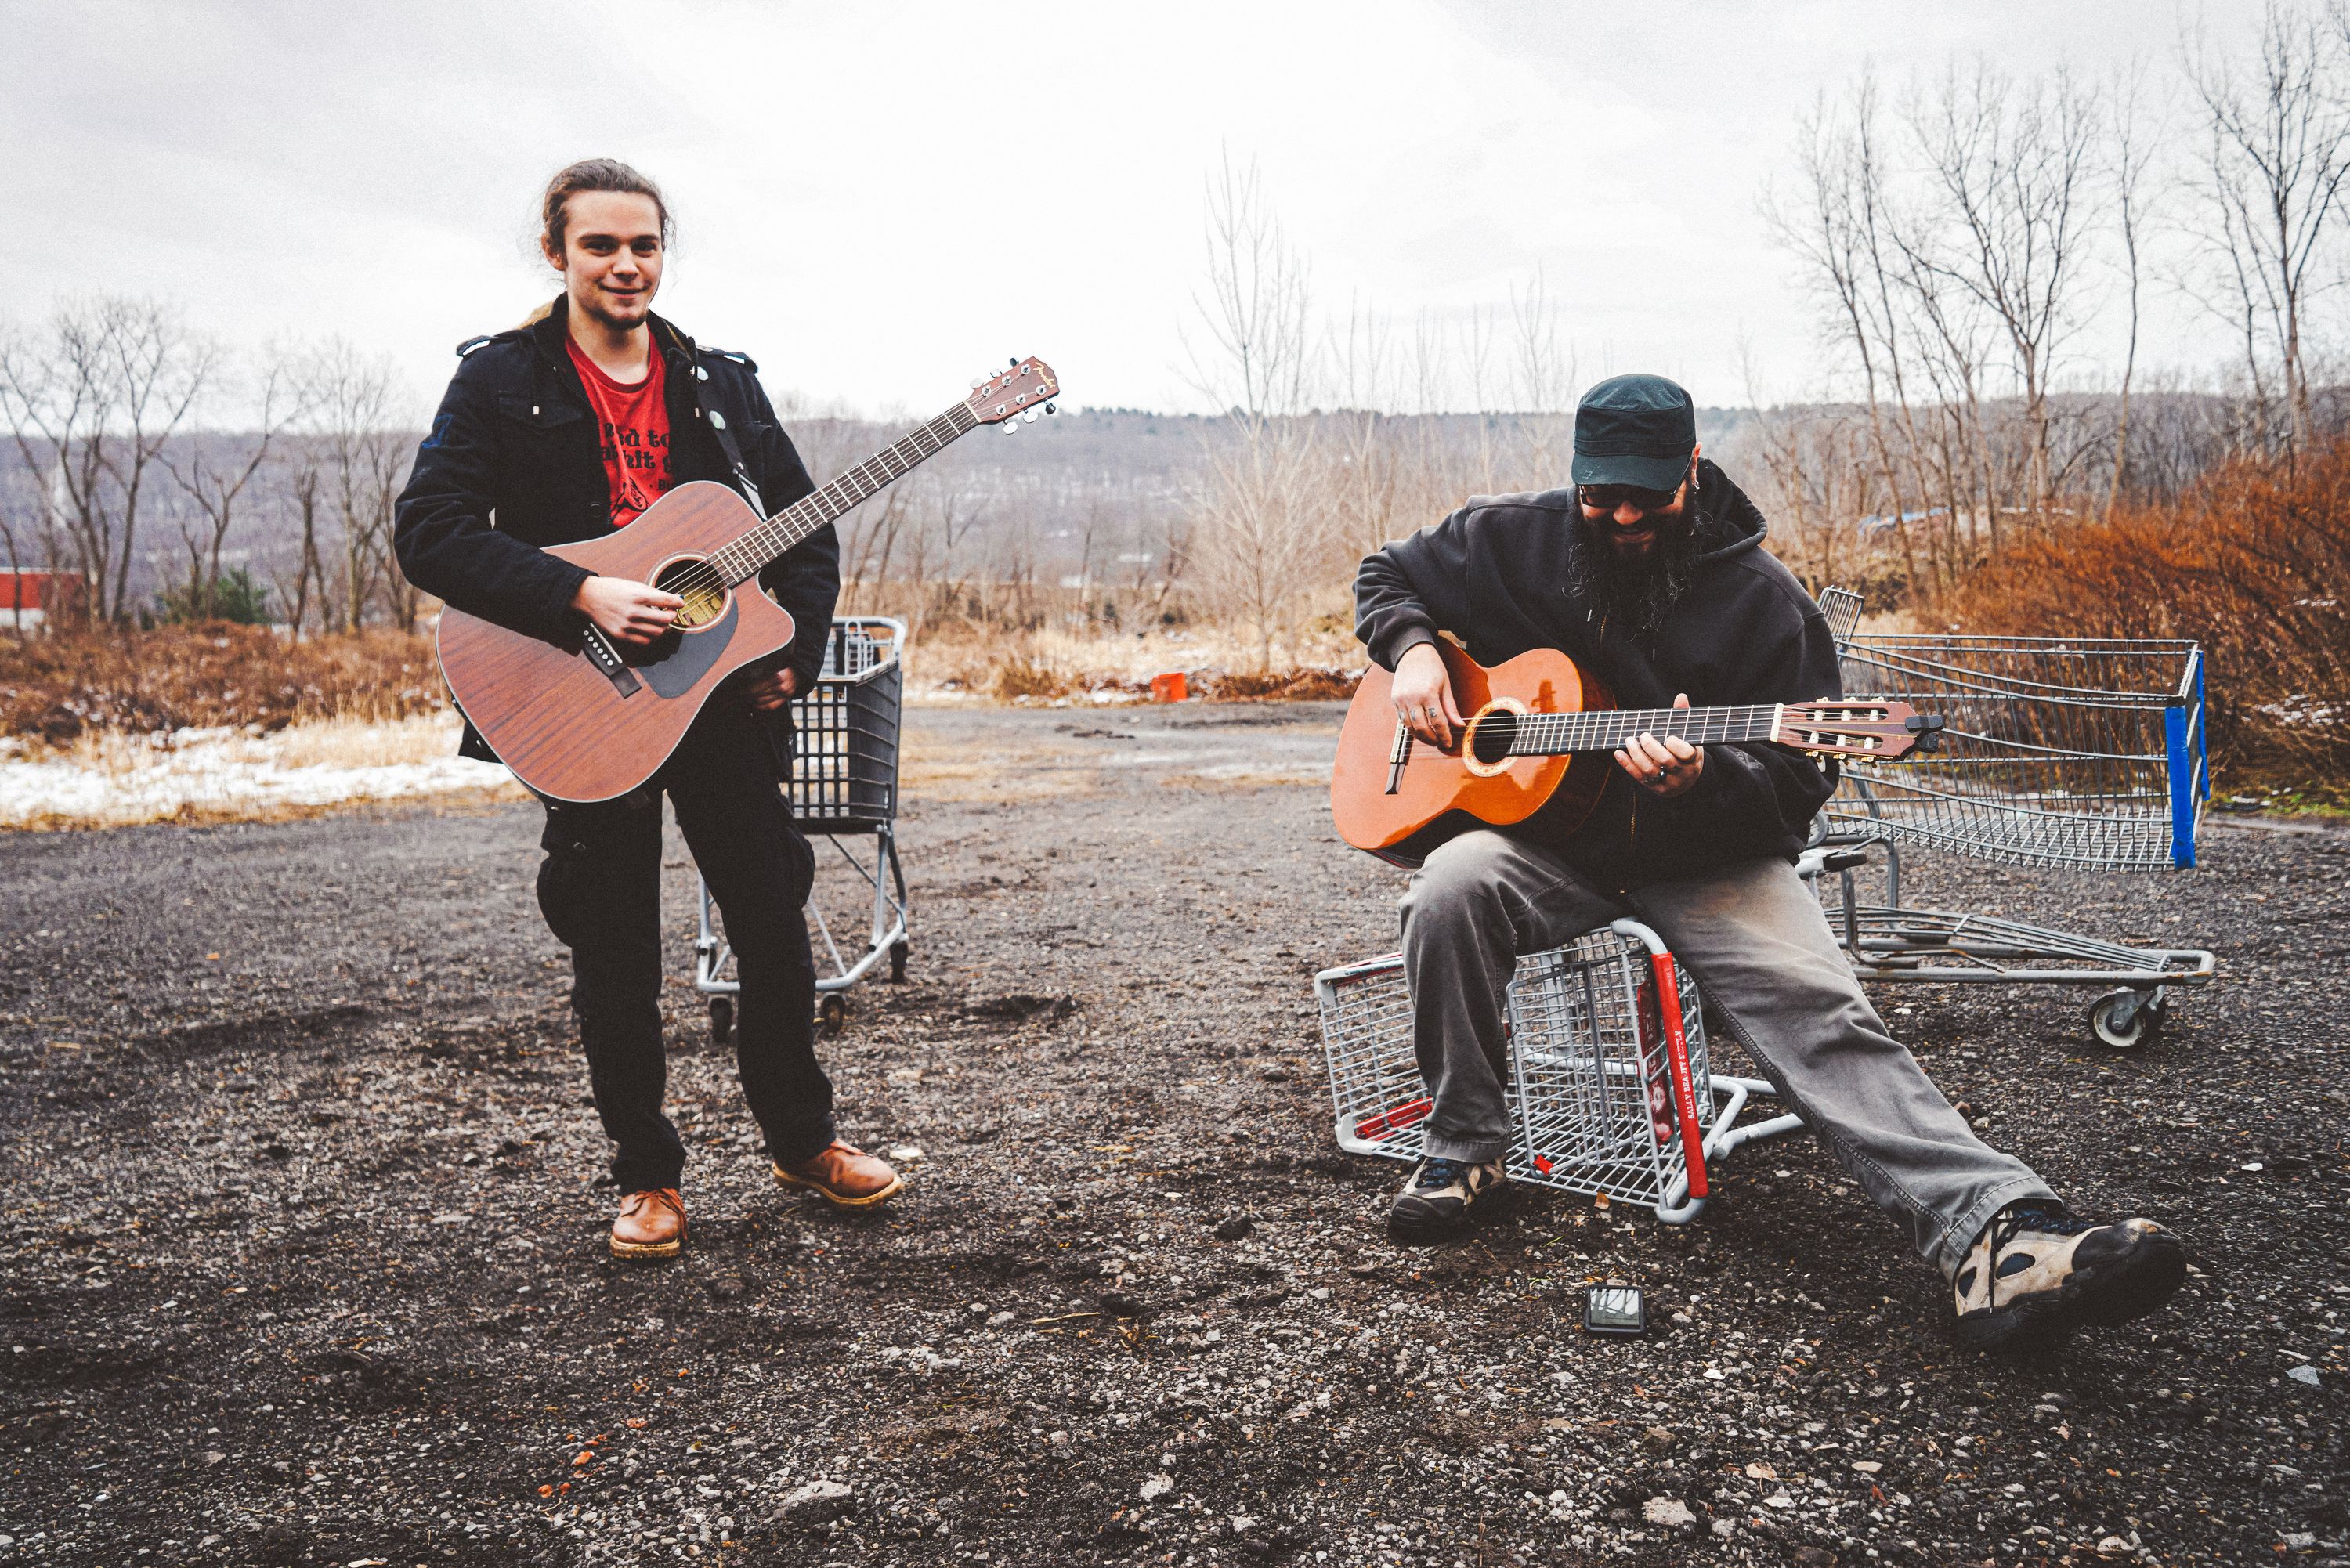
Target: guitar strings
1598, 729
803, 516
796, 522
1608, 727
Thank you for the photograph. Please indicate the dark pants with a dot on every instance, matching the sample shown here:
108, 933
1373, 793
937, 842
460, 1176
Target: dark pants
601, 889
1754, 935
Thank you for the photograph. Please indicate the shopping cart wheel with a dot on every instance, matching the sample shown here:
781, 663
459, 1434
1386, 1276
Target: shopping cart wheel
2127, 1019
722, 1019
834, 1011
897, 963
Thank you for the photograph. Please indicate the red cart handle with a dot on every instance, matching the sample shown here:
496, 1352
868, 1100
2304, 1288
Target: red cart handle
1669, 1007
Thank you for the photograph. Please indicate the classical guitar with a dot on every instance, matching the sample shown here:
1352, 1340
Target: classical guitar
594, 718
1540, 728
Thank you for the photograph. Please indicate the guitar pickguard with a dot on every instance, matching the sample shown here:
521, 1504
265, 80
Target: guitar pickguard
673, 674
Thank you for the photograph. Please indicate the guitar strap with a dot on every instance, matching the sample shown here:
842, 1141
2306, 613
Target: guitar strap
777, 727
717, 423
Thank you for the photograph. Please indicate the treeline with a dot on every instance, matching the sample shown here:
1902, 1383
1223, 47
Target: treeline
147, 455
1969, 241
1995, 260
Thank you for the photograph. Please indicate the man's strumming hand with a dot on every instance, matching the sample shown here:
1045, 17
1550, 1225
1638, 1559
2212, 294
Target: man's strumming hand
630, 612
769, 693
1663, 765
1422, 694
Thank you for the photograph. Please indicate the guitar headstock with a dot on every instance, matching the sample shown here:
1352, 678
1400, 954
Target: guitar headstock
1879, 729
1022, 392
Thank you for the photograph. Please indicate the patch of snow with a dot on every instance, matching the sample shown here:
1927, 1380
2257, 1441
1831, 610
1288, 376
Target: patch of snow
215, 772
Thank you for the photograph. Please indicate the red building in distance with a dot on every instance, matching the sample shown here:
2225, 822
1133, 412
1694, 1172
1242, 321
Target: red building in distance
32, 598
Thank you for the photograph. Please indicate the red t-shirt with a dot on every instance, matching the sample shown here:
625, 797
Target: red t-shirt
634, 425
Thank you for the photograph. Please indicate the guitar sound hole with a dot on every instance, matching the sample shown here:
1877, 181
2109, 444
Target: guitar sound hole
697, 584
1490, 741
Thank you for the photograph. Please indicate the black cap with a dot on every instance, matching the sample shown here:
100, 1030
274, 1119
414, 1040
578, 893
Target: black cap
1635, 430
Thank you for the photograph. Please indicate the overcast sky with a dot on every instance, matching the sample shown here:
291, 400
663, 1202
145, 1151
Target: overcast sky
880, 201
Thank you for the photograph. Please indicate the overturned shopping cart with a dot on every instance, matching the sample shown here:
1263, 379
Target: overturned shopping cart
2084, 753
844, 790
1609, 1089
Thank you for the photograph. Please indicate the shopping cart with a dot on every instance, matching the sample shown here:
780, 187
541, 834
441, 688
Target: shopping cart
1609, 1089
2083, 753
844, 786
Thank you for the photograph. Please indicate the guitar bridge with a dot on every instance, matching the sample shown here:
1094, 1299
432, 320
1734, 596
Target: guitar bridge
1397, 757
607, 659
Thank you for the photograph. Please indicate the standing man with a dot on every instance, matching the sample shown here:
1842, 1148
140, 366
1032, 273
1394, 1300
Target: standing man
1650, 573
567, 426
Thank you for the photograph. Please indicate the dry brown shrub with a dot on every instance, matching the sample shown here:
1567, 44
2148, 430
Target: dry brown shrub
1304, 684
55, 688
1019, 676
2254, 562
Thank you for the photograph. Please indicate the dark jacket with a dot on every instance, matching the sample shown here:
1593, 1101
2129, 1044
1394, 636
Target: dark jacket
512, 463
1495, 575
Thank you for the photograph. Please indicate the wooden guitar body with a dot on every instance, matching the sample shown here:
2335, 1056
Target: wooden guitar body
564, 726
1440, 795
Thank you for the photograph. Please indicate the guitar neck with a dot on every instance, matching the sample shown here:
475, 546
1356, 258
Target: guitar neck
743, 559
1557, 735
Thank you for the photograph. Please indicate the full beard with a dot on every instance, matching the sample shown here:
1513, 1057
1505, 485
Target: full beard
1636, 592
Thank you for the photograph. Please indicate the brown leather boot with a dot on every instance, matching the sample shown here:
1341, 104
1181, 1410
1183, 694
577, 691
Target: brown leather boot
651, 1225
846, 1176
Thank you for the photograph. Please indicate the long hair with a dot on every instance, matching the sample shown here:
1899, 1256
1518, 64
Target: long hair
588, 174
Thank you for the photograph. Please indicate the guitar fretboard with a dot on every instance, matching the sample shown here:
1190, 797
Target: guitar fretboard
741, 561
1554, 734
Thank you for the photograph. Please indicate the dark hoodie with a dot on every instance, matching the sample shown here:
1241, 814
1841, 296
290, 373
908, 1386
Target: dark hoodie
1496, 575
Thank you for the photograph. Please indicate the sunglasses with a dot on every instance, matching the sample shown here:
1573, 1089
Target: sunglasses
1611, 497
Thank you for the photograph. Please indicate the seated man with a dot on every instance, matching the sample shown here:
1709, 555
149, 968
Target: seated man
1650, 573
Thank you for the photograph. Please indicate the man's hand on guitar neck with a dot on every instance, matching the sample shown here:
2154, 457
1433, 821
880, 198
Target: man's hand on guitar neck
1663, 765
627, 612
1422, 694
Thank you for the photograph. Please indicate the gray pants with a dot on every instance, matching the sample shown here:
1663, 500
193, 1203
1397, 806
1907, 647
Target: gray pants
1765, 960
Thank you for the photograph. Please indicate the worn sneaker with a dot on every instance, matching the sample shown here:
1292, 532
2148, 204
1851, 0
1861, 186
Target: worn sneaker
1435, 1203
2039, 1271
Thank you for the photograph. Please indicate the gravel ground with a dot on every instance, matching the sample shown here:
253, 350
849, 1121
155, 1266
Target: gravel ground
308, 1260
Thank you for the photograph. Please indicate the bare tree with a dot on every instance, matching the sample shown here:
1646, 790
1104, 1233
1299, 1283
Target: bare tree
2132, 151
91, 400
303, 476
2013, 164
353, 427
1546, 381
1365, 481
1255, 535
215, 477
1840, 230
2276, 152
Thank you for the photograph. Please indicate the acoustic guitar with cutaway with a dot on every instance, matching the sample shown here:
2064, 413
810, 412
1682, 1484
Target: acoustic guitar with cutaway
595, 717
1540, 729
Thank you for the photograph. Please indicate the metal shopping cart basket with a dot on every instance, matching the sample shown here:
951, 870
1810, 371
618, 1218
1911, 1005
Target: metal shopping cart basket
2059, 752
1609, 1088
844, 790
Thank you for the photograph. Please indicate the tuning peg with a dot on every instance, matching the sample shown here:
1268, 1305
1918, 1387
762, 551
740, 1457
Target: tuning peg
977, 382
1013, 361
1029, 417
1010, 425
1051, 409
